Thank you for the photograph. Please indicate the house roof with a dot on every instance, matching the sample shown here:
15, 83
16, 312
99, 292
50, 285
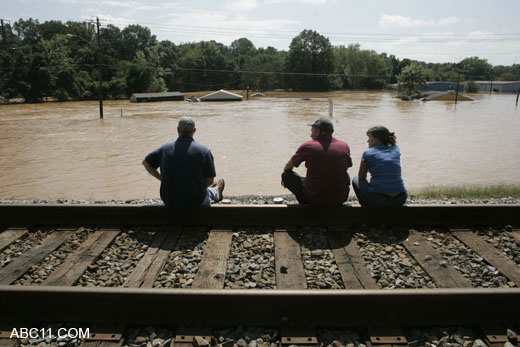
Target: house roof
155, 95
497, 82
221, 95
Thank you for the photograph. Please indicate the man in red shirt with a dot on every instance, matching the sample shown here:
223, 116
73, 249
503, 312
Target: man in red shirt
327, 159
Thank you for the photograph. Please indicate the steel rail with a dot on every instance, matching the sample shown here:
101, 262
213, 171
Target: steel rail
260, 307
279, 215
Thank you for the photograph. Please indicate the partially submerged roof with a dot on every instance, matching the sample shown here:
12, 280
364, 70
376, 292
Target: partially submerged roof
221, 95
166, 96
443, 96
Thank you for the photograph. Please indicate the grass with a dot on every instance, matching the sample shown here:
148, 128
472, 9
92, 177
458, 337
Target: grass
468, 192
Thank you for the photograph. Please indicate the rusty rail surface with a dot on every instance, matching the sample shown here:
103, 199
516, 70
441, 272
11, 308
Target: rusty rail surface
260, 215
261, 307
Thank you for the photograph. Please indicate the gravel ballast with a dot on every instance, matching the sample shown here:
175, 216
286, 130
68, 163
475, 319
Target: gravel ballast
118, 260
467, 261
389, 262
183, 261
39, 273
251, 261
261, 200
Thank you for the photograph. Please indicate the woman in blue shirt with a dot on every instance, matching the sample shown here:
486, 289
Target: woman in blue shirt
383, 160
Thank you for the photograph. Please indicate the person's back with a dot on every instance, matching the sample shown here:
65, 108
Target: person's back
382, 160
184, 165
187, 171
383, 163
326, 183
327, 160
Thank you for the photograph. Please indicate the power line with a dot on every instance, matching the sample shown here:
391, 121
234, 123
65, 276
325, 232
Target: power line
305, 74
363, 37
242, 30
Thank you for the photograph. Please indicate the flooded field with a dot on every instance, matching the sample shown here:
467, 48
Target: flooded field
63, 150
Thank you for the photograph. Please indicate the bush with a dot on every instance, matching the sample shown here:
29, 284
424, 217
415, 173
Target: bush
471, 87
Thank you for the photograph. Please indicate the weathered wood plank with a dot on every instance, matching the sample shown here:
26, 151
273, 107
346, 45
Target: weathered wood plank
160, 258
430, 259
290, 273
103, 343
351, 264
76, 264
489, 253
10, 235
8, 342
35, 255
515, 233
213, 266
137, 276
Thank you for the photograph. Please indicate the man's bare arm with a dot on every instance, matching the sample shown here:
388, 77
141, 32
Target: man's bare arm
153, 171
289, 165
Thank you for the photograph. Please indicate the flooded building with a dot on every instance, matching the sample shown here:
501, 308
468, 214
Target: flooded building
498, 86
152, 97
221, 95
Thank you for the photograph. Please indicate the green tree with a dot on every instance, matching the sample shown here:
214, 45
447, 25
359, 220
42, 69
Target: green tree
168, 54
360, 69
135, 38
477, 68
143, 76
471, 87
266, 68
243, 52
411, 78
63, 73
28, 30
310, 53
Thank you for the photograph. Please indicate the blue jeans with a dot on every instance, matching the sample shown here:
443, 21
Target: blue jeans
212, 196
373, 199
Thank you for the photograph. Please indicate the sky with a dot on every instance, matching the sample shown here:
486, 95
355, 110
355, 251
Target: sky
431, 31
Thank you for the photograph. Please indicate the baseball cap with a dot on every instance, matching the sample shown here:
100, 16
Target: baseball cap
186, 124
324, 125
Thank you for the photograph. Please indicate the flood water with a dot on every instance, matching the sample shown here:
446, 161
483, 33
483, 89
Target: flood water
64, 151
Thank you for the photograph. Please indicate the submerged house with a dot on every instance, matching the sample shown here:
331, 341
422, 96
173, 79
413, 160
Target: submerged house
151, 97
498, 86
221, 95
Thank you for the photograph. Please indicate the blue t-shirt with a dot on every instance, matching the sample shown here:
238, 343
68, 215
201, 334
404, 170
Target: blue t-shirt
384, 165
184, 166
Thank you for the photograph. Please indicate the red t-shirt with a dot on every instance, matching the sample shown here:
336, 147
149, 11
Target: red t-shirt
327, 160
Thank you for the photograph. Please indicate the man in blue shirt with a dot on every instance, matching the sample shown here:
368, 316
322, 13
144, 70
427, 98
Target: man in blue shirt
187, 172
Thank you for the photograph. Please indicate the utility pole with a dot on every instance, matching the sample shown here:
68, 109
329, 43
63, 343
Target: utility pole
3, 32
100, 72
517, 94
457, 90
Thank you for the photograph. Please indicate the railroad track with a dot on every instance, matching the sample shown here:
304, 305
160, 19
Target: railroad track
288, 267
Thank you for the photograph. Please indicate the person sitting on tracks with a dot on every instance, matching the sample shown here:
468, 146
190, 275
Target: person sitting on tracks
382, 160
187, 172
327, 160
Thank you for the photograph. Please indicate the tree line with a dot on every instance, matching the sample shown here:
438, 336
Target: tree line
60, 60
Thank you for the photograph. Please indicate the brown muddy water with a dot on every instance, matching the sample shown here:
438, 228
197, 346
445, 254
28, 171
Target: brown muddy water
63, 150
